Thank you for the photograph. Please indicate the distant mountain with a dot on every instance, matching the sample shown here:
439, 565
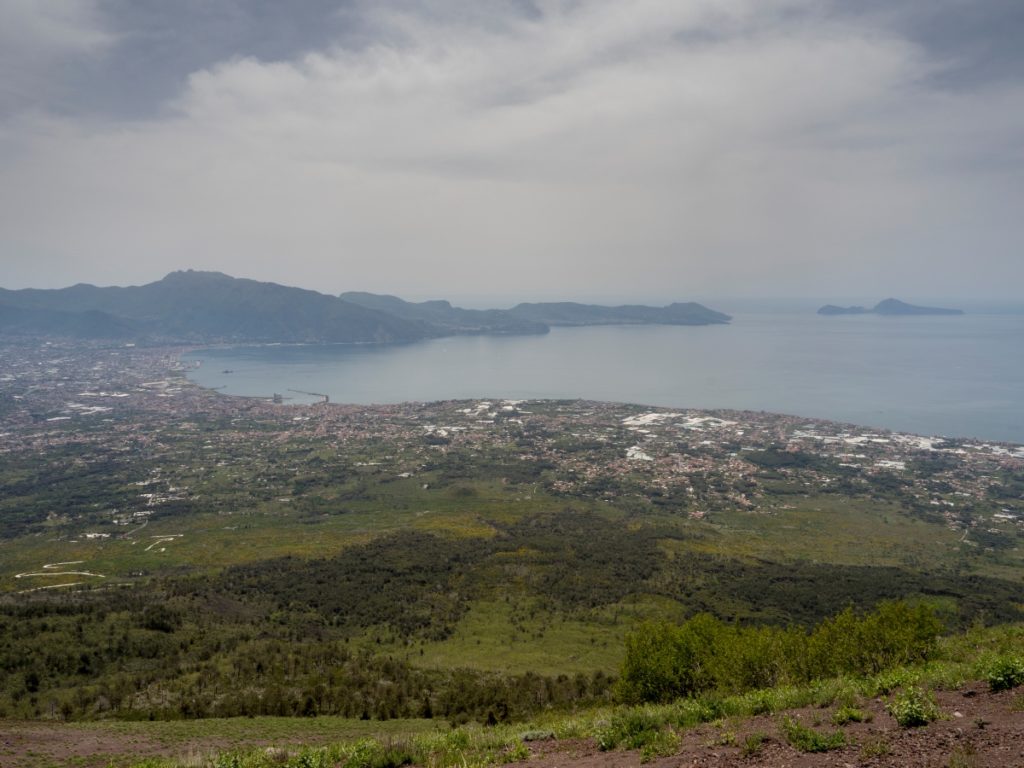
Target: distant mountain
832, 309
210, 307
570, 313
887, 307
897, 307
213, 307
443, 315
91, 324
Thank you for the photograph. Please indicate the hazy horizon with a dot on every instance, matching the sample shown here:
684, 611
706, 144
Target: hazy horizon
737, 303
543, 149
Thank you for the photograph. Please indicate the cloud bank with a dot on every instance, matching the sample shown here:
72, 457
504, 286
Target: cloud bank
653, 148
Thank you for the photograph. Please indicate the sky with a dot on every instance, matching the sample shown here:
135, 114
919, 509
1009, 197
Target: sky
536, 149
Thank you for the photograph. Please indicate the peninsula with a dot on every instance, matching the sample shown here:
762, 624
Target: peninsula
210, 307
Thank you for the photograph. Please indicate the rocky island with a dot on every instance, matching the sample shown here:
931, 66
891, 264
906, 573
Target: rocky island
888, 307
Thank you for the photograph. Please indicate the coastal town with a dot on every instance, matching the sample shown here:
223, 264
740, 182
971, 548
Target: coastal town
150, 443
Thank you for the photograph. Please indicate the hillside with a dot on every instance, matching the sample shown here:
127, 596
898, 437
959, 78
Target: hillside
210, 307
834, 722
90, 324
443, 315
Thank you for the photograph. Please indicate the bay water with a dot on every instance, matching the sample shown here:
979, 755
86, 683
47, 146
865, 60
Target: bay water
960, 376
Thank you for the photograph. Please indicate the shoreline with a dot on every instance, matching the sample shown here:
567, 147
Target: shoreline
330, 398
1015, 449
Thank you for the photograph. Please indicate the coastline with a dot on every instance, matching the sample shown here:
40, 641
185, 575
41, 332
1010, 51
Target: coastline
920, 383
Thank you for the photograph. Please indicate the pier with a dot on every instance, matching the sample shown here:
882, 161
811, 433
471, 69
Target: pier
326, 398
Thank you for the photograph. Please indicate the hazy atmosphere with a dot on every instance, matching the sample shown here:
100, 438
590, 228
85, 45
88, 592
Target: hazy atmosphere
511, 383
531, 149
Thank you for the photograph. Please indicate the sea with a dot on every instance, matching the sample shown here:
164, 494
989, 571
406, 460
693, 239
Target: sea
953, 376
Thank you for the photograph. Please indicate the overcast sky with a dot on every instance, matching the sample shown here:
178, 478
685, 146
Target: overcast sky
547, 148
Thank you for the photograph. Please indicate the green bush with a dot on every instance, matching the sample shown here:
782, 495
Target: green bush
394, 754
363, 754
632, 729
636, 728
310, 758
664, 661
845, 715
516, 753
1006, 673
894, 634
809, 740
228, 760
872, 748
663, 743
891, 680
687, 713
913, 707
753, 744
536, 735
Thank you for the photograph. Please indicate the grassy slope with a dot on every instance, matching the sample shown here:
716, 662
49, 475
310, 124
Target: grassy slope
824, 528
961, 658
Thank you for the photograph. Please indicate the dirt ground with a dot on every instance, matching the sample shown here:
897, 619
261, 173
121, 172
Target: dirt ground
978, 729
41, 745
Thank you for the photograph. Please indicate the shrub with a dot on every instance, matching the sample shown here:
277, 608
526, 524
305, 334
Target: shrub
1006, 673
536, 735
894, 634
516, 753
809, 740
845, 715
913, 707
963, 756
874, 748
753, 743
662, 744
310, 758
664, 662
632, 729
363, 754
889, 681
394, 754
690, 712
228, 760
724, 738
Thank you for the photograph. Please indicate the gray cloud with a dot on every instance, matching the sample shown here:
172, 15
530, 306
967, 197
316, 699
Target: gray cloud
40, 43
555, 148
976, 42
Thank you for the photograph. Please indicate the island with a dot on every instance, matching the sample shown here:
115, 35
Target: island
888, 307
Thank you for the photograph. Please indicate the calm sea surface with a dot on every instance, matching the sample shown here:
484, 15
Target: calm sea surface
952, 376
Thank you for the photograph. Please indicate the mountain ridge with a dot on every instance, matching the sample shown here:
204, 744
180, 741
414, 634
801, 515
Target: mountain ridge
192, 306
195, 306
468, 321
